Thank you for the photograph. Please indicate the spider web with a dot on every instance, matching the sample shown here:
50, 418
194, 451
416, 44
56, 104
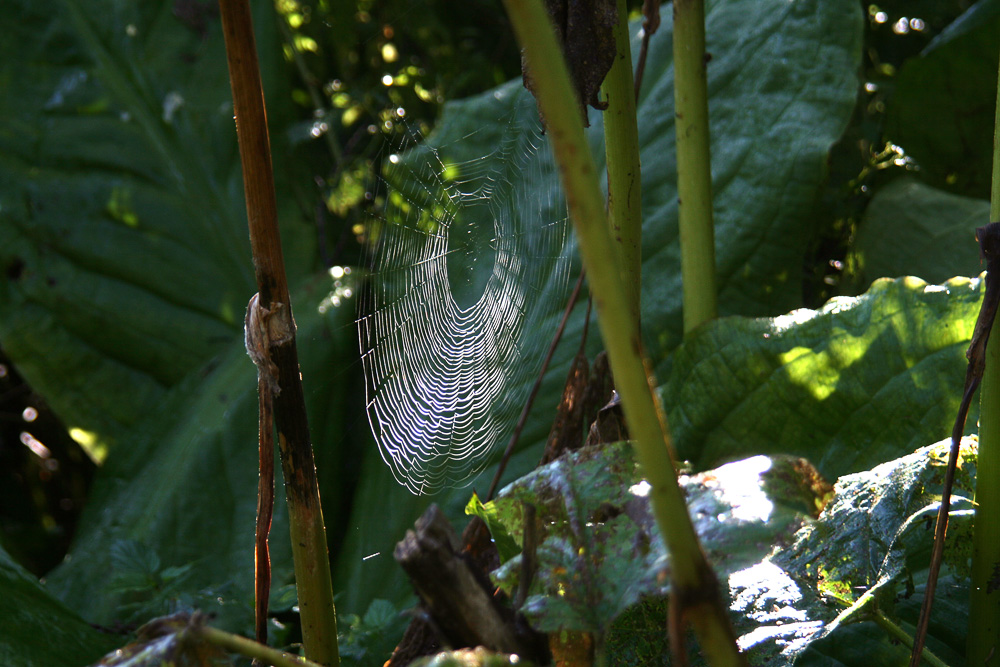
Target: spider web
469, 262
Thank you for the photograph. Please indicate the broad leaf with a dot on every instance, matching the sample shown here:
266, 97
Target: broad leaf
599, 549
866, 552
942, 109
601, 564
858, 382
126, 273
912, 229
781, 84
506, 545
38, 630
125, 254
803, 589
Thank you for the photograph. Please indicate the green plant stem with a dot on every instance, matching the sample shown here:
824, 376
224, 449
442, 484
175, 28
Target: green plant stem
694, 171
866, 604
305, 513
600, 651
621, 142
251, 649
899, 634
984, 607
693, 581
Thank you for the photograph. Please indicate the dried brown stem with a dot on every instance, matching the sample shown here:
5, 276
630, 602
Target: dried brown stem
989, 250
650, 24
277, 354
265, 507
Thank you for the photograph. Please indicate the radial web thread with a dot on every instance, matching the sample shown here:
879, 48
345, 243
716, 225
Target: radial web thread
469, 266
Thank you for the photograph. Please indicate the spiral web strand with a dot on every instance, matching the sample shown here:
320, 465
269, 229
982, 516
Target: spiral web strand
469, 265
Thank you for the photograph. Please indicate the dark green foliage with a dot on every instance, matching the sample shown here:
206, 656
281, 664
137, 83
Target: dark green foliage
938, 228
125, 273
942, 108
367, 640
39, 630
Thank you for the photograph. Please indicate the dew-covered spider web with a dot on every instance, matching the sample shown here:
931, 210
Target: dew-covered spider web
469, 265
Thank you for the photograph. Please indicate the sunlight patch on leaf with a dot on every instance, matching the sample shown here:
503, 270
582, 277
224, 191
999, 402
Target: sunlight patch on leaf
823, 387
863, 553
602, 567
88, 440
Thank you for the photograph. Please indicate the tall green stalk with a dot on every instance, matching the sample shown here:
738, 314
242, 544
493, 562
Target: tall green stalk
984, 606
695, 594
621, 142
694, 171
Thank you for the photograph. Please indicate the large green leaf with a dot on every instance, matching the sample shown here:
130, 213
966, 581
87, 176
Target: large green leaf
38, 630
126, 271
860, 381
912, 229
180, 500
125, 254
781, 83
942, 109
599, 550
862, 557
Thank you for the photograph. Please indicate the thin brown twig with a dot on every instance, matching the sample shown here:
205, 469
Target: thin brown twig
650, 24
534, 389
257, 330
265, 509
989, 250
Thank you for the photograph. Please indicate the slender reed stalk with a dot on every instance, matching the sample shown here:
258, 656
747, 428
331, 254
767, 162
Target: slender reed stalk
621, 142
694, 171
984, 605
694, 588
263, 654
900, 635
308, 533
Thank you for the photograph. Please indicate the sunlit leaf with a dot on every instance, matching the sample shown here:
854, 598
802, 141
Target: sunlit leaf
861, 381
600, 551
506, 544
862, 558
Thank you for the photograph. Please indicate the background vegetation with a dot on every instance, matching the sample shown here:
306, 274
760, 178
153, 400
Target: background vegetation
849, 143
